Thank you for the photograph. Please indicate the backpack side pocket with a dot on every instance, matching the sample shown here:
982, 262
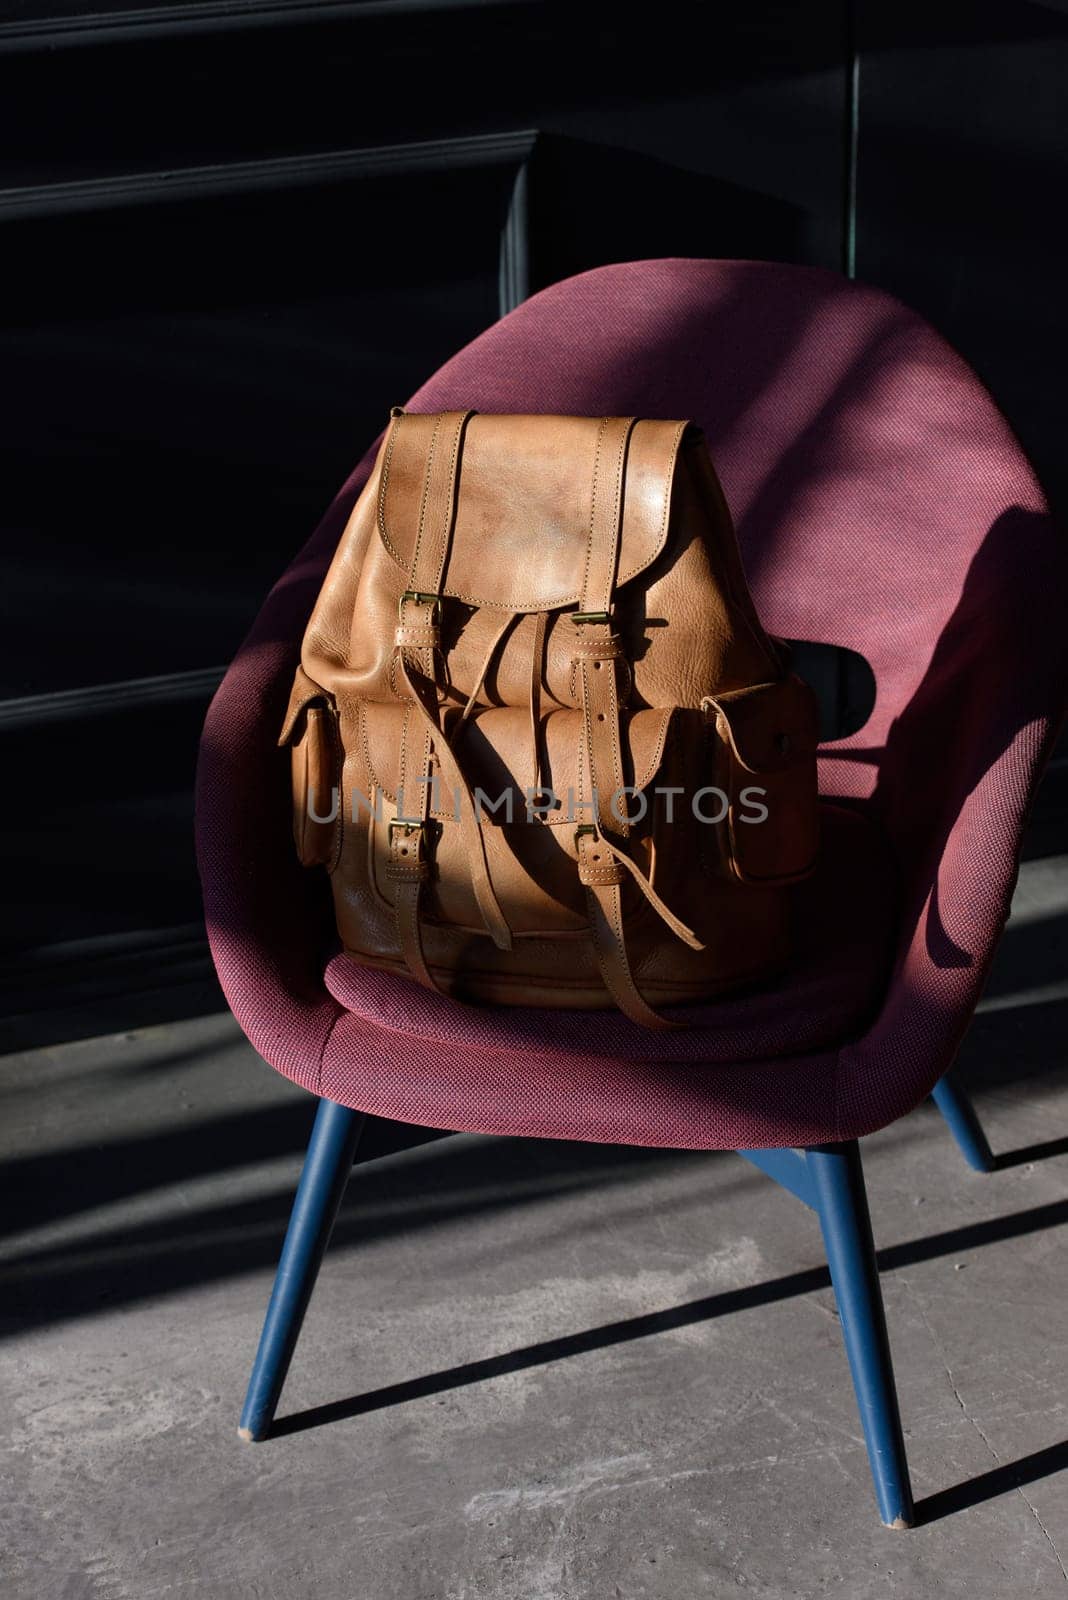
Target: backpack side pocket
766, 765
311, 733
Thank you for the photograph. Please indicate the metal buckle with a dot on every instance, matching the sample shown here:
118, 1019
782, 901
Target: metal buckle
408, 856
407, 827
422, 600
579, 617
584, 828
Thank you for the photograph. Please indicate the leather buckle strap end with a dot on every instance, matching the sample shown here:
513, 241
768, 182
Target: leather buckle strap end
596, 864
601, 649
407, 852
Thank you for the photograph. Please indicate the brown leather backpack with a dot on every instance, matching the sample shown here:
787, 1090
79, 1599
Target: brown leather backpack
540, 740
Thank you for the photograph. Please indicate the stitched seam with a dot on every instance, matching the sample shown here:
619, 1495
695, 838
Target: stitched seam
406, 909
413, 570
613, 717
386, 464
588, 728
669, 991
617, 918
733, 696
658, 753
457, 434
416, 640
669, 483
599, 650
428, 773
617, 507
402, 774
338, 764
538, 602
617, 927
378, 782
593, 509
628, 976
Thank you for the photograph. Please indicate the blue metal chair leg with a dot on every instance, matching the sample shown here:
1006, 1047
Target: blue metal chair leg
331, 1151
842, 1204
956, 1106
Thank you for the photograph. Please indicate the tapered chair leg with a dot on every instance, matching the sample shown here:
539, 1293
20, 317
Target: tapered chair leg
956, 1107
842, 1204
331, 1151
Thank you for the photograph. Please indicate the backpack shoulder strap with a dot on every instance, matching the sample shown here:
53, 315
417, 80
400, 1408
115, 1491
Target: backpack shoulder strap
603, 863
418, 640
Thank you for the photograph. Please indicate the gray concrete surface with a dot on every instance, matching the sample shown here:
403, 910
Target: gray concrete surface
699, 1439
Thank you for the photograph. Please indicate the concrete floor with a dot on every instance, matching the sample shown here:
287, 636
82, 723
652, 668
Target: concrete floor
531, 1371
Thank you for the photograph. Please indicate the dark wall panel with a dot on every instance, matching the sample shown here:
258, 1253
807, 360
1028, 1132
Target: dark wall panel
193, 382
963, 129
230, 243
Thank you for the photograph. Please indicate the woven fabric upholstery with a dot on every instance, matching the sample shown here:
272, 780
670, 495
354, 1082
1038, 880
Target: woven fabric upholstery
882, 504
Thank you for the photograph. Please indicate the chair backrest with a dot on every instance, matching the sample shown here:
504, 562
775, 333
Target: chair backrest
882, 505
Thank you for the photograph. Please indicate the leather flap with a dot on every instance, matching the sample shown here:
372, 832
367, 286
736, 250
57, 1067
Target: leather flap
494, 751
304, 691
524, 502
771, 726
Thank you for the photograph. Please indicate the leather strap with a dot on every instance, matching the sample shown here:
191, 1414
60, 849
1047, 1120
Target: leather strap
602, 877
425, 707
598, 660
407, 870
438, 506
597, 663
537, 667
664, 912
606, 507
407, 867
597, 651
418, 640
494, 646
437, 512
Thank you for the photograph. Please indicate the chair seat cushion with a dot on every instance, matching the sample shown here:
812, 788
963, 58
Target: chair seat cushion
844, 931
882, 506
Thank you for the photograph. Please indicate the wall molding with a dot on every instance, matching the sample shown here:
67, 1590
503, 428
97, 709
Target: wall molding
271, 174
210, 16
512, 150
513, 276
106, 699
85, 987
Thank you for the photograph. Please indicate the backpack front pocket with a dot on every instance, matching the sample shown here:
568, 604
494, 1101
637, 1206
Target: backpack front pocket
530, 812
765, 760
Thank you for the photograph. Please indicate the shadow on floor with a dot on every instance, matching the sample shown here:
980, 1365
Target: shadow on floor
172, 1241
953, 1241
988, 1485
451, 1179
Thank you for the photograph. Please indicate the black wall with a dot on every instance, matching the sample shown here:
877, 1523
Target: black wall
235, 231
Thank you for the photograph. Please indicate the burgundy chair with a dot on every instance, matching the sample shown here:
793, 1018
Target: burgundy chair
882, 505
